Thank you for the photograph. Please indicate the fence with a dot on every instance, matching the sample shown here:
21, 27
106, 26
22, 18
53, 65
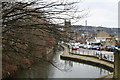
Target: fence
96, 53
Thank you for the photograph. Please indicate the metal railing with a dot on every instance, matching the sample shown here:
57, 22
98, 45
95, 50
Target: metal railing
96, 53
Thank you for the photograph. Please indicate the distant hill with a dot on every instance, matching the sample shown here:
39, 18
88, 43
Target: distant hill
93, 29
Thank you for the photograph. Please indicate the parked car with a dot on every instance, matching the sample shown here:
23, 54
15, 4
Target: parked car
75, 47
89, 46
117, 46
81, 45
95, 47
85, 46
102, 47
110, 48
72, 44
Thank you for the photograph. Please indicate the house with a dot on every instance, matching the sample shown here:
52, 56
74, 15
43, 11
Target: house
102, 33
101, 36
104, 37
117, 37
93, 42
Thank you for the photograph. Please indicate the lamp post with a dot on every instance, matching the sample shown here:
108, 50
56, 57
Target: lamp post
100, 49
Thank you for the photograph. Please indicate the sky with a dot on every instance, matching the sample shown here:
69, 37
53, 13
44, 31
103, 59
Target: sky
101, 13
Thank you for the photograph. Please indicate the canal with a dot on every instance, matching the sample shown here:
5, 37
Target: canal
61, 69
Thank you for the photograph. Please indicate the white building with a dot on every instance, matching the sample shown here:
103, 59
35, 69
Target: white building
102, 39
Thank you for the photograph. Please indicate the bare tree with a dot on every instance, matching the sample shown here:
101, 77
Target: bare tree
27, 25
40, 15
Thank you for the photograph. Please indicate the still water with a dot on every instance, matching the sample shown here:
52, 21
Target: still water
61, 69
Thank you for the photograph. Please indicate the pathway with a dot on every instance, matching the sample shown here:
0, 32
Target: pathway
66, 53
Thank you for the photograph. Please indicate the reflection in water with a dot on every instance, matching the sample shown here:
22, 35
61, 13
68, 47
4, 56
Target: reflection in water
68, 65
72, 69
77, 70
36, 71
69, 69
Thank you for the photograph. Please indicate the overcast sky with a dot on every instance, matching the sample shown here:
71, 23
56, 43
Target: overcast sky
102, 13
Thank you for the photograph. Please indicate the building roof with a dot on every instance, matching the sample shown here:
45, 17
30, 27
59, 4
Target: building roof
93, 42
117, 37
102, 37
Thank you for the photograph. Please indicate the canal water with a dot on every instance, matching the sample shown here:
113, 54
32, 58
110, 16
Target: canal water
61, 69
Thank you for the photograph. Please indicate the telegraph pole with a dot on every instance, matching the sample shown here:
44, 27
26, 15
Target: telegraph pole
85, 22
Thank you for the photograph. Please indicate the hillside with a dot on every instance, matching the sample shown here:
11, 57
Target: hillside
93, 29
